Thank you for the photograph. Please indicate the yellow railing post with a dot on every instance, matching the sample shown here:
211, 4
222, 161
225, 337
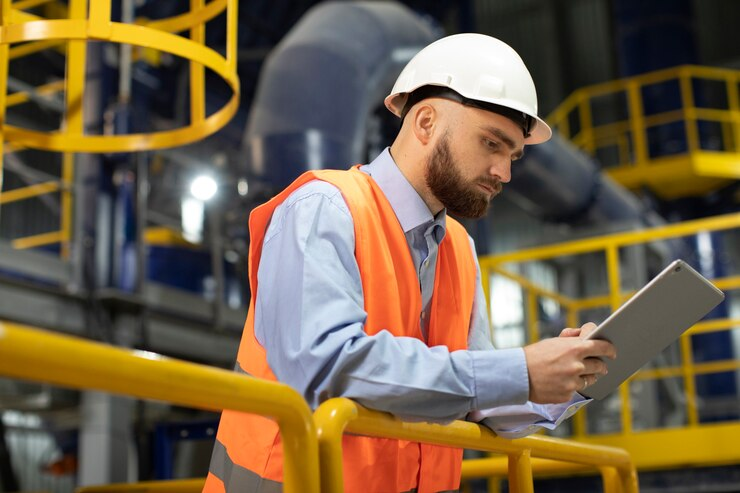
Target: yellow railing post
689, 109
689, 385
4, 63
637, 124
330, 422
610, 478
532, 316
587, 130
68, 170
42, 356
197, 71
733, 104
579, 420
615, 300
520, 472
494, 485
485, 278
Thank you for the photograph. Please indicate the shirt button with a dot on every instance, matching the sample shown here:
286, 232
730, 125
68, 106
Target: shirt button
423, 315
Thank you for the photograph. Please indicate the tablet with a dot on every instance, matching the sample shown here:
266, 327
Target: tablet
653, 318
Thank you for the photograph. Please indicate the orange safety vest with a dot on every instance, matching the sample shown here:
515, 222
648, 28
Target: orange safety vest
248, 455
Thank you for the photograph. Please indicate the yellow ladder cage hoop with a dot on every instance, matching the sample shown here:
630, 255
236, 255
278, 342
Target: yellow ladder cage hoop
24, 27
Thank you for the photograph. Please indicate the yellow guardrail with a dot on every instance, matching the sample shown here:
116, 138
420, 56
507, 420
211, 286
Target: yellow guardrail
311, 442
337, 416
94, 22
609, 245
32, 33
173, 486
706, 102
42, 356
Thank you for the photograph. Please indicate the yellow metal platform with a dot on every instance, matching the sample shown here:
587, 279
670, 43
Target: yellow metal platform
685, 149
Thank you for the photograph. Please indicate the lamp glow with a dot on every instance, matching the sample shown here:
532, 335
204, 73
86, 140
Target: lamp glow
203, 187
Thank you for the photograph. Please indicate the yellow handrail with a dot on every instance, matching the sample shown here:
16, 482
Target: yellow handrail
337, 416
609, 246
172, 486
599, 243
497, 468
38, 355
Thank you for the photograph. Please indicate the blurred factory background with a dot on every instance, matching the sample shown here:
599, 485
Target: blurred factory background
142, 242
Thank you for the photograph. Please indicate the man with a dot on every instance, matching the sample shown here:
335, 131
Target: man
364, 288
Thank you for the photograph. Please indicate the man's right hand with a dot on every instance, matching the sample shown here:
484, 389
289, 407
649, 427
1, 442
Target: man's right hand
560, 366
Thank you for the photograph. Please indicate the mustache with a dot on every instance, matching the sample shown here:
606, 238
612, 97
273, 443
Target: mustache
492, 183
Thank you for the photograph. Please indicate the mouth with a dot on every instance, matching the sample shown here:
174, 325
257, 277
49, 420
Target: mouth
490, 189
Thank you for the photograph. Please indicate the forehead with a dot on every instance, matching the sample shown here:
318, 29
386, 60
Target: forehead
476, 119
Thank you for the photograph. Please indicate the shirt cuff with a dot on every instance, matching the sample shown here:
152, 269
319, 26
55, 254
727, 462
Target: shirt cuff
550, 417
501, 377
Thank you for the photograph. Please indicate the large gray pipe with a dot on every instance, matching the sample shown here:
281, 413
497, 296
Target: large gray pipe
560, 183
322, 82
334, 68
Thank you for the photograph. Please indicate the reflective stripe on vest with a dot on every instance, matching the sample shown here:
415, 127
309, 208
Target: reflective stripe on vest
392, 301
237, 479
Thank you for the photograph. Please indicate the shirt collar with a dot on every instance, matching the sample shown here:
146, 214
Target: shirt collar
410, 208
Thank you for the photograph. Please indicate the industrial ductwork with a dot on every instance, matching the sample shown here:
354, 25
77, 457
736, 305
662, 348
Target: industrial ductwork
323, 81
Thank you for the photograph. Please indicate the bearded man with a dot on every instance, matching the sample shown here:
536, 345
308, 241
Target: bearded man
363, 287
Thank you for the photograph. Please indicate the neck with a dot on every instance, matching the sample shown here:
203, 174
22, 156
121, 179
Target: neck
412, 167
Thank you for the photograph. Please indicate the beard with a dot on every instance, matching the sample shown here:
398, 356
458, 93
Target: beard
459, 196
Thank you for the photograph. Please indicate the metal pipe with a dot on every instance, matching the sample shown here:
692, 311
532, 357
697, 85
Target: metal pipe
335, 416
323, 82
42, 356
124, 67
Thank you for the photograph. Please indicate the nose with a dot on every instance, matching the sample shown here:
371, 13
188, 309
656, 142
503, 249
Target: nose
501, 169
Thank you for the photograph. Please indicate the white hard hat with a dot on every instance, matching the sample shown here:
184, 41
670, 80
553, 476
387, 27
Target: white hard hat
484, 72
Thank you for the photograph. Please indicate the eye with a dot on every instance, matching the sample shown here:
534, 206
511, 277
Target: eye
491, 144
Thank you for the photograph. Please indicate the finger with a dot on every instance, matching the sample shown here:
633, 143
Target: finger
594, 366
569, 332
587, 328
595, 348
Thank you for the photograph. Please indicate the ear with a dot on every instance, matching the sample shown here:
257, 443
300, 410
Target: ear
424, 120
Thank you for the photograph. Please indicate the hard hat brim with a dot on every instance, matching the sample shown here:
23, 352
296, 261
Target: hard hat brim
539, 134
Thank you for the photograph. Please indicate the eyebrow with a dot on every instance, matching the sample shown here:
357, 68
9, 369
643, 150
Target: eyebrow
504, 138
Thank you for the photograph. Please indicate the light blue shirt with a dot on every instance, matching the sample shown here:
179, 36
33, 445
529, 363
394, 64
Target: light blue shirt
309, 316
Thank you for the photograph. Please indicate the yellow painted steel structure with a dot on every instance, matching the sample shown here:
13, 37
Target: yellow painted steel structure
693, 444
42, 356
337, 416
174, 486
95, 24
32, 33
309, 441
700, 167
